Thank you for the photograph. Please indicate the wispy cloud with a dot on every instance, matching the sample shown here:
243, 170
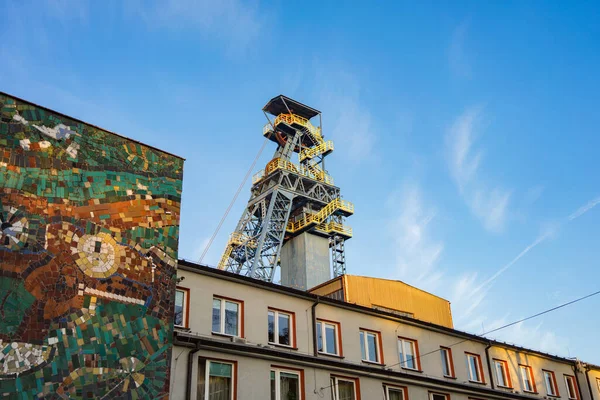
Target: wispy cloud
489, 203
458, 59
417, 252
348, 120
235, 22
585, 208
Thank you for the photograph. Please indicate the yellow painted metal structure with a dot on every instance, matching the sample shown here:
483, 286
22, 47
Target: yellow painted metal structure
309, 220
388, 295
323, 148
308, 171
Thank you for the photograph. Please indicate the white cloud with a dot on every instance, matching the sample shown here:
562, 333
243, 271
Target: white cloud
233, 21
489, 203
417, 253
583, 209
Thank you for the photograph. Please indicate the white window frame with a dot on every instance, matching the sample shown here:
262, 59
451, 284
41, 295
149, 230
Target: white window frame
403, 360
504, 367
334, 386
551, 390
365, 334
479, 371
222, 316
278, 372
570, 395
431, 394
291, 332
402, 390
525, 369
336, 332
207, 376
185, 306
446, 355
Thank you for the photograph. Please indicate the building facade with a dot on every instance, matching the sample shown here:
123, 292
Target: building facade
88, 256
241, 338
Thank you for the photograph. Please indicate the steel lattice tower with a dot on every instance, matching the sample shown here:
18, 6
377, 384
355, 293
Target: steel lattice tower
289, 199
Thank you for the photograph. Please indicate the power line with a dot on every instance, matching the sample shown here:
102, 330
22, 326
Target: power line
233, 201
420, 356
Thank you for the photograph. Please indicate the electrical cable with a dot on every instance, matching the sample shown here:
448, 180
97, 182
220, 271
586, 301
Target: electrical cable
420, 356
233, 201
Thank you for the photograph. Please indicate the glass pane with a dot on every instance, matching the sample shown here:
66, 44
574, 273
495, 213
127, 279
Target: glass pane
526, 381
271, 327
201, 388
409, 352
231, 318
289, 386
330, 339
549, 386
362, 346
273, 394
319, 337
346, 390
395, 394
220, 369
216, 316
570, 387
500, 373
219, 388
436, 396
284, 329
445, 364
473, 371
372, 344
179, 308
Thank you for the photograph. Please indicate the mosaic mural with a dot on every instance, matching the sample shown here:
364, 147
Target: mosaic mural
88, 249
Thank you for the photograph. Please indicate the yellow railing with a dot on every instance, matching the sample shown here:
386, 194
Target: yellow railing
293, 118
241, 239
322, 148
318, 218
335, 227
278, 163
225, 257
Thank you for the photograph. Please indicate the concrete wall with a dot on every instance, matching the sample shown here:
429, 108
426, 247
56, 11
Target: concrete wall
88, 250
305, 261
254, 372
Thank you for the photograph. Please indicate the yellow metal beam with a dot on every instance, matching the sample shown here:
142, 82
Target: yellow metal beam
323, 148
290, 119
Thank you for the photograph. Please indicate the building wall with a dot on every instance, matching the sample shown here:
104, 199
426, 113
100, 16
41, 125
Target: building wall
88, 250
255, 369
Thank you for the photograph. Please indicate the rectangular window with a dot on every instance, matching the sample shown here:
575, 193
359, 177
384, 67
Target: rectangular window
527, 379
571, 385
550, 382
227, 316
408, 352
286, 384
328, 337
370, 346
395, 392
281, 327
474, 367
438, 396
216, 380
447, 362
344, 388
181, 307
502, 374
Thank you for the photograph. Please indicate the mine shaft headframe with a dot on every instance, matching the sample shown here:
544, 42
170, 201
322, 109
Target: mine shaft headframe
281, 106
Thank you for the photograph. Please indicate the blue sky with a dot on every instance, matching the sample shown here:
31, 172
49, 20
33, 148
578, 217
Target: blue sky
467, 136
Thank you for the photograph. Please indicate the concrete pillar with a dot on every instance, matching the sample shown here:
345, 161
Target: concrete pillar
305, 261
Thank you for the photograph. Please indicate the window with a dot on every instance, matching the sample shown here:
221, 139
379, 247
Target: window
408, 352
502, 374
527, 379
344, 388
474, 367
216, 380
550, 381
438, 396
395, 392
328, 337
370, 346
447, 363
286, 384
571, 385
227, 316
282, 327
182, 296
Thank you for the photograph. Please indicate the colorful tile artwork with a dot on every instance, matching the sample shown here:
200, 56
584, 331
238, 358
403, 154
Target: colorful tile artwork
88, 249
